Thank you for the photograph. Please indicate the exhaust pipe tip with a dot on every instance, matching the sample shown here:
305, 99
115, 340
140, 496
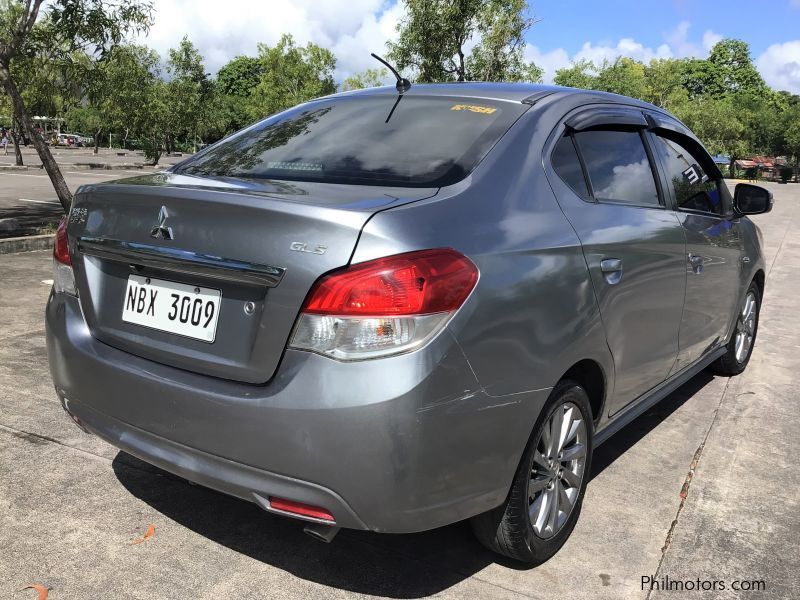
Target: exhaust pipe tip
321, 532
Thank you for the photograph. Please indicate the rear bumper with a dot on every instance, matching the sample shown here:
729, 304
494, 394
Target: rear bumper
401, 444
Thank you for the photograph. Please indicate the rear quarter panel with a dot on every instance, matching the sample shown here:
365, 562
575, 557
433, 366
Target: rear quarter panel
533, 313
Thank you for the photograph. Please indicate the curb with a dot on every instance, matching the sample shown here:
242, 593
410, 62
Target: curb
27, 243
103, 166
81, 167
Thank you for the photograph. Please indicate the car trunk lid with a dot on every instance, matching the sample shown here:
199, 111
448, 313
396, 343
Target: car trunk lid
260, 244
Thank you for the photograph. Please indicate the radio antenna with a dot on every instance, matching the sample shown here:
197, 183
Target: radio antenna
403, 84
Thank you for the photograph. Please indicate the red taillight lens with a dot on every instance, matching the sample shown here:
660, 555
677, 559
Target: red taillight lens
61, 246
415, 283
298, 508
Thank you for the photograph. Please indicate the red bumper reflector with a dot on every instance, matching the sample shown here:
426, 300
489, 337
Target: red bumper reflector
298, 508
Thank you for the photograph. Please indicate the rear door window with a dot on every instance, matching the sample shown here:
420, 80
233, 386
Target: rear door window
567, 165
618, 166
691, 185
412, 141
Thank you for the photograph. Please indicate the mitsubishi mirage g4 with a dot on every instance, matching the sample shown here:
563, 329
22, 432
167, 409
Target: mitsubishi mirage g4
391, 312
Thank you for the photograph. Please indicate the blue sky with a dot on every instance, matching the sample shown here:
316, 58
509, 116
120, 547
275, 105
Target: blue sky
571, 23
568, 30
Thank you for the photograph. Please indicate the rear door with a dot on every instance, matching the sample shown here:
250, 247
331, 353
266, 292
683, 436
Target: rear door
633, 243
713, 243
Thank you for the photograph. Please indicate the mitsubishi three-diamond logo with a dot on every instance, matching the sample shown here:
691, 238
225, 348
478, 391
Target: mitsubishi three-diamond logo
162, 230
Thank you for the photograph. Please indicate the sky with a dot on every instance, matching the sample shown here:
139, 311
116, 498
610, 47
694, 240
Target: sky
565, 31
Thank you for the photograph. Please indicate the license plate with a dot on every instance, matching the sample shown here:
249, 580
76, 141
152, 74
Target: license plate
177, 308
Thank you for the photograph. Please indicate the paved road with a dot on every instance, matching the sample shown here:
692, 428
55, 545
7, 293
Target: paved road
70, 504
28, 197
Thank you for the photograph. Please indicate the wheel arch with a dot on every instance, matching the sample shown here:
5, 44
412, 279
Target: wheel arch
590, 375
760, 279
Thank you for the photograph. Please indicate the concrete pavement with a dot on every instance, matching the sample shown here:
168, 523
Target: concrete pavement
71, 504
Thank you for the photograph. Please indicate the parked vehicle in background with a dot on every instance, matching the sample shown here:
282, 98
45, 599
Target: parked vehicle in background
392, 312
75, 140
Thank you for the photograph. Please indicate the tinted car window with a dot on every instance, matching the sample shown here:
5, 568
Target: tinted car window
693, 188
372, 140
618, 166
568, 166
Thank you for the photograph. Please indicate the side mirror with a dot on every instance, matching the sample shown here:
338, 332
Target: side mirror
751, 199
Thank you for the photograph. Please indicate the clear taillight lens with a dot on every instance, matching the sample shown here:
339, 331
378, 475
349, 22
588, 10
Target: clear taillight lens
385, 306
63, 277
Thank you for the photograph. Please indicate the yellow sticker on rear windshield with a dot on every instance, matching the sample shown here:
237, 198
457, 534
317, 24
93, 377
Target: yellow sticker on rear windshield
484, 110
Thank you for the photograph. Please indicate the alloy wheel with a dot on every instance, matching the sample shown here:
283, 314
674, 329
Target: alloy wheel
746, 327
559, 462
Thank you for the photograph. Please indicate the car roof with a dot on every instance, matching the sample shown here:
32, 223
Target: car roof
514, 92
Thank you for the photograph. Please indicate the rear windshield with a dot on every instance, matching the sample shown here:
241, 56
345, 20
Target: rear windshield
417, 141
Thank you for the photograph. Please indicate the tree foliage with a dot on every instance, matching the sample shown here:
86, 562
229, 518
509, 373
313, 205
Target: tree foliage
290, 75
436, 35
67, 28
723, 98
365, 79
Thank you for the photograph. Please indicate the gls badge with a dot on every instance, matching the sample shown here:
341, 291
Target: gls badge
304, 247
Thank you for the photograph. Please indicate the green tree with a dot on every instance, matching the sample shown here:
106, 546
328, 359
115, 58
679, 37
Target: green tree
700, 77
664, 82
578, 75
154, 127
735, 70
234, 86
623, 76
729, 69
365, 79
499, 56
190, 91
290, 75
716, 122
240, 76
69, 26
435, 33
792, 137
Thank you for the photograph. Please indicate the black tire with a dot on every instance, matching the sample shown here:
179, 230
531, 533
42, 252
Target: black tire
728, 364
507, 529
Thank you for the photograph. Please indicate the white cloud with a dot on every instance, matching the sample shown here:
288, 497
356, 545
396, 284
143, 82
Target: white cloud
549, 61
625, 47
681, 46
350, 28
779, 65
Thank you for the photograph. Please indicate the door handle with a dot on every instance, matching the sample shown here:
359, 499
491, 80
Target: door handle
696, 263
612, 269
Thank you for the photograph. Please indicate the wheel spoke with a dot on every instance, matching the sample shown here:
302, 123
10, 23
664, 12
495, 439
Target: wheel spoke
570, 478
552, 517
574, 426
556, 425
546, 438
563, 499
573, 452
739, 349
540, 507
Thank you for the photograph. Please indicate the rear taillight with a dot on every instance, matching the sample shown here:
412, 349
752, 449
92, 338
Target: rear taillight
63, 277
385, 306
61, 246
